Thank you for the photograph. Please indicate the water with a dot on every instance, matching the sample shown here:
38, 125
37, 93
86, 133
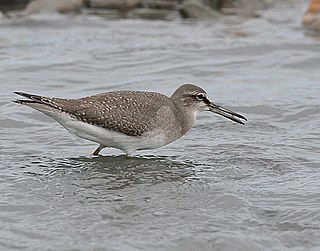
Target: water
222, 187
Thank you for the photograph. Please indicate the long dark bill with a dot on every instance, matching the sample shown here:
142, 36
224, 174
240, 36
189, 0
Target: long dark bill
227, 113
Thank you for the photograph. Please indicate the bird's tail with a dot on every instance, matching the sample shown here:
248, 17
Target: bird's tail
37, 102
31, 98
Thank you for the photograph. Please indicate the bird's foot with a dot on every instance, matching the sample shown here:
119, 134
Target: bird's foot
96, 152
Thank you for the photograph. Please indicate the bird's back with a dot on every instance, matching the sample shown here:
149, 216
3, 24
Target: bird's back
130, 112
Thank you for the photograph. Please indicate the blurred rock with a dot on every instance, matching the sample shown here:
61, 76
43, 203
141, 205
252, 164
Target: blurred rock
246, 8
148, 13
160, 4
4, 14
121, 5
311, 18
196, 9
152, 9
62, 6
214, 4
8, 5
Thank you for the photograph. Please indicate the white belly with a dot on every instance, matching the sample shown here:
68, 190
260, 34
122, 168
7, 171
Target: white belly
110, 138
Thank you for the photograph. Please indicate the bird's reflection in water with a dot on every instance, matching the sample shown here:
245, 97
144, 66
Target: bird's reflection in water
99, 178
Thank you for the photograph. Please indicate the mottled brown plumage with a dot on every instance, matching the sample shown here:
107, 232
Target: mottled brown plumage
136, 115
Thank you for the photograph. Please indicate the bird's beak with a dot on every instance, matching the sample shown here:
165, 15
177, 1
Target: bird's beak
226, 113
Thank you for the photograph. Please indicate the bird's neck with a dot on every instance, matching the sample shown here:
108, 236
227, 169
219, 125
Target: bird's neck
186, 117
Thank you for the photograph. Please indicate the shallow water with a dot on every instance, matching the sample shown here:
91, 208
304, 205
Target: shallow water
222, 187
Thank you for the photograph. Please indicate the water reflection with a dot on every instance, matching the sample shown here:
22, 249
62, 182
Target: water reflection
108, 173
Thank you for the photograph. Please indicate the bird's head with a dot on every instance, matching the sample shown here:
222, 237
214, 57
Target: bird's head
195, 99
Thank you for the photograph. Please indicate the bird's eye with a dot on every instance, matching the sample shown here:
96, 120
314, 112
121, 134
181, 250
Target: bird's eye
200, 96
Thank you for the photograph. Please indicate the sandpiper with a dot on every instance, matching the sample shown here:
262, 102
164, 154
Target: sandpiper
129, 120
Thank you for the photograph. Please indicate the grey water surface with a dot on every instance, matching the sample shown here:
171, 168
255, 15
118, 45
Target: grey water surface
223, 186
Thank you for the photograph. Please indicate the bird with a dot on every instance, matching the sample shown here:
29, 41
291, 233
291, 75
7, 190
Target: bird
129, 120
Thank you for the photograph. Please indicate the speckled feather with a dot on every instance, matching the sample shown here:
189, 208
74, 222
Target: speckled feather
129, 120
130, 112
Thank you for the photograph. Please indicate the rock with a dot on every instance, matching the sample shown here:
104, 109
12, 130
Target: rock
70, 6
148, 13
214, 4
62, 6
159, 4
11, 5
246, 8
122, 5
196, 9
311, 18
4, 15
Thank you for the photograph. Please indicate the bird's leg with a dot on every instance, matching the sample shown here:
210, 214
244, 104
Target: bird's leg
96, 152
128, 154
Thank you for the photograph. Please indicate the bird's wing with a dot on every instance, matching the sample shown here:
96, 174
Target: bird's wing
130, 112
